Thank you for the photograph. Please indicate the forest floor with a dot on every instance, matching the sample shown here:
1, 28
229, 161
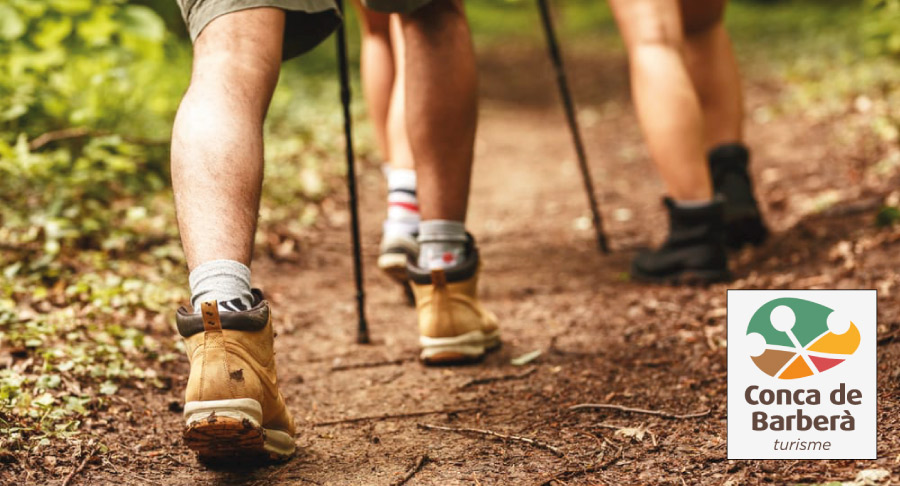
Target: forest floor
601, 337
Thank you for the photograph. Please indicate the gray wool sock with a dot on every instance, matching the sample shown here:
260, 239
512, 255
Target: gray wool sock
442, 243
225, 281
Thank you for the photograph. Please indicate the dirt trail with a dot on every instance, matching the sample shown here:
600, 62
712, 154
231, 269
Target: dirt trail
602, 339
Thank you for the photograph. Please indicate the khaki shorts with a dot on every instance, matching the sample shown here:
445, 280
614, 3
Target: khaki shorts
308, 22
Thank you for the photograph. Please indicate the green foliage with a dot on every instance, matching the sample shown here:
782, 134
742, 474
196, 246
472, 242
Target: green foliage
82, 88
89, 253
887, 216
881, 26
87, 92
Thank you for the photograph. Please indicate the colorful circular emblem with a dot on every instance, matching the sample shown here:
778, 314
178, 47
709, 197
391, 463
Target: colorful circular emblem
794, 338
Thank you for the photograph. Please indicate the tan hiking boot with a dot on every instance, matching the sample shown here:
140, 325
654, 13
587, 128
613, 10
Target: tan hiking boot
453, 326
233, 408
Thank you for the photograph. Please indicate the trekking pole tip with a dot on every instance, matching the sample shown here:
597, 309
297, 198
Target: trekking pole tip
362, 337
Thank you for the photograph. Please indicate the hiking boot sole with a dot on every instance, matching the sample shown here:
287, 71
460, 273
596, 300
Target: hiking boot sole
230, 429
394, 266
466, 348
687, 277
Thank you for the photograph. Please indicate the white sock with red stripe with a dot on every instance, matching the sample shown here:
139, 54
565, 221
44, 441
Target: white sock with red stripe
403, 206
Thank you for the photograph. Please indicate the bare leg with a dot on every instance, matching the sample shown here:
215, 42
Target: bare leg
441, 106
672, 120
667, 104
217, 141
398, 138
217, 169
714, 70
378, 74
383, 84
441, 114
382, 68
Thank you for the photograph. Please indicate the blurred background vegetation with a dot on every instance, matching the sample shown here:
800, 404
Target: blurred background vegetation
89, 254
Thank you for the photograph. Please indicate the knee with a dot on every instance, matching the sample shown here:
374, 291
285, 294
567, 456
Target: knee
375, 23
699, 16
236, 63
652, 31
648, 23
246, 55
436, 16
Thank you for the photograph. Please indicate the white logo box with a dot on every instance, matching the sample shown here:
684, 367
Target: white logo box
852, 381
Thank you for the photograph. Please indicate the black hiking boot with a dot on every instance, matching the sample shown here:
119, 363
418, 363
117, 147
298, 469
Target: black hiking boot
731, 182
694, 252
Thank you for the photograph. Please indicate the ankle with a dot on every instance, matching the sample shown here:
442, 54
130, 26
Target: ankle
225, 281
442, 244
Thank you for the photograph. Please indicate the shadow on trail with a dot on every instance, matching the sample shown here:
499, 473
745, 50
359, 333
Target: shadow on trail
265, 473
816, 239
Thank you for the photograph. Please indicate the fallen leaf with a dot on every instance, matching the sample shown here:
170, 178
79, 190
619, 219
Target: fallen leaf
634, 433
525, 358
871, 477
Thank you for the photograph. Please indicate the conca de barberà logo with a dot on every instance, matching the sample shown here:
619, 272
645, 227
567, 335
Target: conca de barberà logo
801, 374
792, 338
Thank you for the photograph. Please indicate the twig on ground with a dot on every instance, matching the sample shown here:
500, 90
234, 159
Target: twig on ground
884, 340
145, 479
416, 467
591, 436
80, 467
370, 364
493, 379
53, 136
393, 416
620, 408
303, 479
573, 473
462, 430
390, 379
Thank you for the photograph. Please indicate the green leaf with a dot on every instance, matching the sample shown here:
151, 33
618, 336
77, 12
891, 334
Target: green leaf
51, 32
71, 7
48, 381
11, 24
44, 400
99, 28
142, 22
887, 216
108, 388
31, 8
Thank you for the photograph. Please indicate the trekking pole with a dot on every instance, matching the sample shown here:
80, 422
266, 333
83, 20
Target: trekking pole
362, 330
556, 57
